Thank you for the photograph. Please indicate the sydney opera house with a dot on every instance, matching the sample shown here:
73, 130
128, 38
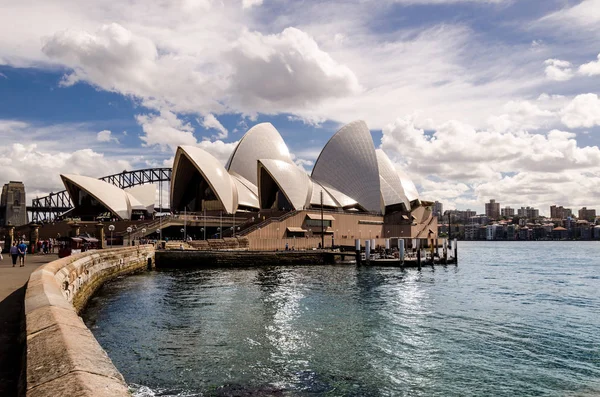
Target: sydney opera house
353, 191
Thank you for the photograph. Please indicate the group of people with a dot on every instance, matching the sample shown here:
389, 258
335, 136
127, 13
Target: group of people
18, 251
46, 246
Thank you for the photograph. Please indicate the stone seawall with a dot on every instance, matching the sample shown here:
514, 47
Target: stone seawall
63, 357
176, 258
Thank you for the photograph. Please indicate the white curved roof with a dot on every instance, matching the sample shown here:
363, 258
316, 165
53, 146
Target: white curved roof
315, 198
114, 199
262, 141
145, 194
348, 163
212, 171
134, 202
246, 197
252, 187
392, 191
343, 200
292, 181
410, 190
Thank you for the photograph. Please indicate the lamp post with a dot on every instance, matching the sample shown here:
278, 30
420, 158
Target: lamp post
219, 232
129, 229
143, 232
111, 228
204, 232
182, 235
158, 234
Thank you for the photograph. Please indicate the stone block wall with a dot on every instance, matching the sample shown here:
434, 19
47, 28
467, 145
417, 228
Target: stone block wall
63, 357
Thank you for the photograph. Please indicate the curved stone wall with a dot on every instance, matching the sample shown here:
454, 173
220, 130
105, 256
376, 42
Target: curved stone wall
63, 357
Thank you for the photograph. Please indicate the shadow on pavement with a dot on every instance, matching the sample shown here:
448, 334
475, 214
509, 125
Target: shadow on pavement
11, 342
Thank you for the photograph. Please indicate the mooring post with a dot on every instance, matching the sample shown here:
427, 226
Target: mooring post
419, 258
368, 251
357, 250
401, 250
445, 249
456, 251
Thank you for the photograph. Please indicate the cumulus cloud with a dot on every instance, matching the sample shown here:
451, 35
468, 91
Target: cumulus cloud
165, 130
457, 160
210, 122
558, 70
219, 149
251, 3
106, 136
39, 165
582, 111
286, 70
591, 68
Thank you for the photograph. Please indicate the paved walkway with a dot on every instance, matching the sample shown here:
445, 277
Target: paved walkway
12, 296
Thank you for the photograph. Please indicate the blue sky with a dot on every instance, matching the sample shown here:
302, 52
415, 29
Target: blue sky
474, 99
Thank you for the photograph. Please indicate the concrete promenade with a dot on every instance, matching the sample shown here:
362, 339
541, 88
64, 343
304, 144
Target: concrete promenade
12, 296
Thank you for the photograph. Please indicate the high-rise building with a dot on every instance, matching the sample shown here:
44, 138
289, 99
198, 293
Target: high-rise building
528, 212
560, 212
508, 212
13, 208
492, 209
587, 214
438, 209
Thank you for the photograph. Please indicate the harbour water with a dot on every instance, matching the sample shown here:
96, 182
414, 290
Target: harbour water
512, 319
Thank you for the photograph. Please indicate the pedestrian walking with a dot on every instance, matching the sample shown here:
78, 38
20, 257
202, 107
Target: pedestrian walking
22, 247
14, 253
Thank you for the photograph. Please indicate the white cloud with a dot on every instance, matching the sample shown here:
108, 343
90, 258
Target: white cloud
558, 70
582, 111
464, 166
251, 3
106, 136
210, 122
219, 149
584, 15
591, 68
165, 130
39, 165
285, 71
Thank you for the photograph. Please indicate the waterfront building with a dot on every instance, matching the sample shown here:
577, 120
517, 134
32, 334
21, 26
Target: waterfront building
13, 208
492, 209
507, 212
511, 232
559, 233
350, 178
438, 209
587, 214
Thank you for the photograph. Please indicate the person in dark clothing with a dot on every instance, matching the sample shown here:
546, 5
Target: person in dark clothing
14, 253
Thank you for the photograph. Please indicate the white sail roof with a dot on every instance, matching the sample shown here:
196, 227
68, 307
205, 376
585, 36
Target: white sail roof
114, 199
145, 194
392, 191
407, 184
245, 196
292, 181
348, 163
315, 198
260, 142
212, 171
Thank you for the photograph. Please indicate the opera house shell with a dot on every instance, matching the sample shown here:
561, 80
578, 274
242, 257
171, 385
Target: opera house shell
349, 175
91, 197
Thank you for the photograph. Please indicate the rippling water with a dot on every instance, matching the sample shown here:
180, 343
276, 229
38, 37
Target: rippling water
512, 319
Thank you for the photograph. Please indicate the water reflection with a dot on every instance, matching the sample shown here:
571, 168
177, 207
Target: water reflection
490, 328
